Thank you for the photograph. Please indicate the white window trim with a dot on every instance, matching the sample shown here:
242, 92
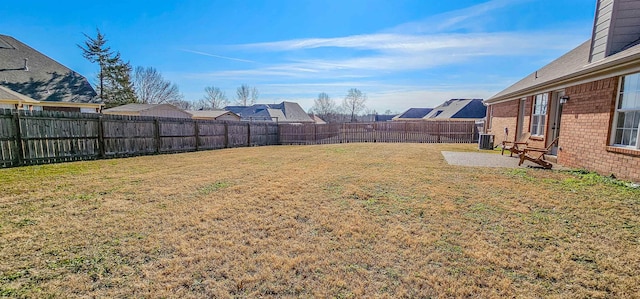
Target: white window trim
614, 124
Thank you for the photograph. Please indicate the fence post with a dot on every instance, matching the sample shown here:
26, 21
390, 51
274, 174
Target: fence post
315, 134
226, 135
101, 149
156, 134
278, 135
21, 154
266, 134
249, 134
196, 131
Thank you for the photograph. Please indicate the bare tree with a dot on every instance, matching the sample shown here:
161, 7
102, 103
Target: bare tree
152, 88
214, 98
254, 95
246, 95
182, 104
324, 106
354, 102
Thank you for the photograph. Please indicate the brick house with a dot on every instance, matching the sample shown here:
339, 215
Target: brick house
49, 84
588, 98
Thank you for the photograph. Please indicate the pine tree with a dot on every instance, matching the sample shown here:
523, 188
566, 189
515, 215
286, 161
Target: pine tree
114, 79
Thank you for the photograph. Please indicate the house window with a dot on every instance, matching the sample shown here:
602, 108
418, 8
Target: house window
627, 122
539, 114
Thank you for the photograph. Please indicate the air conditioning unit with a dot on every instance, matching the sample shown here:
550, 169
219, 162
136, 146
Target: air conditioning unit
485, 141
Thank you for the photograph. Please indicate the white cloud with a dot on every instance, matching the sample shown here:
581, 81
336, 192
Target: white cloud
336, 64
216, 56
470, 18
402, 53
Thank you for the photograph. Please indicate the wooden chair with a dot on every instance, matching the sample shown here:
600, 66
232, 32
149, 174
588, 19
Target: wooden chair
537, 155
516, 147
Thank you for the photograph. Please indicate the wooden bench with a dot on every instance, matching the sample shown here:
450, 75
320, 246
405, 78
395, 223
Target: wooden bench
537, 155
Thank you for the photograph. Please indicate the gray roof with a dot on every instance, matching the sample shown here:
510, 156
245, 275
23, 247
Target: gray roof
136, 107
8, 94
44, 79
288, 112
458, 108
417, 113
573, 65
208, 113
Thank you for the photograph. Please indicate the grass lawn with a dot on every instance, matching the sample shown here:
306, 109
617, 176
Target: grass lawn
328, 221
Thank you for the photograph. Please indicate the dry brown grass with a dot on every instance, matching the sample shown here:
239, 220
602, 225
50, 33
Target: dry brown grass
341, 221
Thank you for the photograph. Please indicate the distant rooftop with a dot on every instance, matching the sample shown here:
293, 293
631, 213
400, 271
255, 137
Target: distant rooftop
415, 113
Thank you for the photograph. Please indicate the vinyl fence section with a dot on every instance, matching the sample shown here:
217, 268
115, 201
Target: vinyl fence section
389, 132
41, 137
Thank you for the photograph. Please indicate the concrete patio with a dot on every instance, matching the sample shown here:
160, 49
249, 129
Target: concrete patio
487, 160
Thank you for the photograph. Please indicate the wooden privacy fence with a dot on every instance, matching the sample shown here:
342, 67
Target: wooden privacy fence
416, 132
41, 137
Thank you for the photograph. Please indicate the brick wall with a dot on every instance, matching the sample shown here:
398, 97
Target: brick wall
504, 115
585, 129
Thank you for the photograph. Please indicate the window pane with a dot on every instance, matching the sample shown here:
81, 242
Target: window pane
636, 122
630, 95
541, 126
626, 136
621, 118
618, 136
628, 120
634, 138
630, 83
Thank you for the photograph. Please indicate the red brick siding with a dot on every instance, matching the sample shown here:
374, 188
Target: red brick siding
585, 129
504, 115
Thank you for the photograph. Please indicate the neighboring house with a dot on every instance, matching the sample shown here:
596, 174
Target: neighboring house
10, 99
318, 120
214, 115
383, 117
285, 112
459, 109
33, 74
588, 98
412, 114
454, 109
156, 110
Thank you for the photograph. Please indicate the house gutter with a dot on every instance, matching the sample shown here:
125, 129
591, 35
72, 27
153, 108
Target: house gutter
604, 70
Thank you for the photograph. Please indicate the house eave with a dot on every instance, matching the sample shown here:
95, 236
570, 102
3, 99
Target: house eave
609, 69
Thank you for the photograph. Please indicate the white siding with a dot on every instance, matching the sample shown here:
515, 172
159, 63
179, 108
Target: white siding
616, 25
601, 29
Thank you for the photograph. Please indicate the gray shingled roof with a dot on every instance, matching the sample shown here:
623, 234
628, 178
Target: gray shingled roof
44, 79
208, 113
573, 65
416, 113
8, 94
133, 107
284, 112
453, 108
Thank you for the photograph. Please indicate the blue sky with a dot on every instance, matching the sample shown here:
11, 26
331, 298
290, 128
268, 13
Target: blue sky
401, 54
